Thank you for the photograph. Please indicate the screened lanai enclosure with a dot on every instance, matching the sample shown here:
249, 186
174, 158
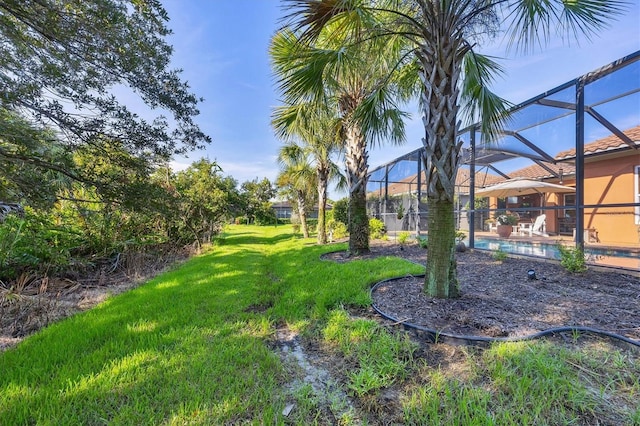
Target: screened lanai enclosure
582, 137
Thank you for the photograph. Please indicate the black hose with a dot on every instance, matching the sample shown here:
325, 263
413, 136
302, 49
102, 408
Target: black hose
454, 339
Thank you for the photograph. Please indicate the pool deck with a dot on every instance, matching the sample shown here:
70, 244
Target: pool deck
563, 239
629, 264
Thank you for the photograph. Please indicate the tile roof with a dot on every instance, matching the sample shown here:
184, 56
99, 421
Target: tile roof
536, 171
609, 143
462, 182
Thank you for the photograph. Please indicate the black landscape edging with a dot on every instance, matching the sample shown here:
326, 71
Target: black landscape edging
454, 339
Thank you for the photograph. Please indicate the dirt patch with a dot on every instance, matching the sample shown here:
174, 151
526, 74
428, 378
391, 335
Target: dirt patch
499, 300
32, 302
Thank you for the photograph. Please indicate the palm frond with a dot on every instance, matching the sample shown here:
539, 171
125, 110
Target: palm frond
380, 118
532, 21
479, 102
312, 17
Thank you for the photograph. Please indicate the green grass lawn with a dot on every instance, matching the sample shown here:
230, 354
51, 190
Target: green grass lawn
192, 346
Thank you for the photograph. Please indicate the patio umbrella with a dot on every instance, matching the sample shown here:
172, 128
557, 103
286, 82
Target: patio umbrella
516, 187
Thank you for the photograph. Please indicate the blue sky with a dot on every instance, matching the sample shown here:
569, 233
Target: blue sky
222, 47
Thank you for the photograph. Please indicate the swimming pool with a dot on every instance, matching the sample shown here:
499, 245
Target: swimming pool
627, 259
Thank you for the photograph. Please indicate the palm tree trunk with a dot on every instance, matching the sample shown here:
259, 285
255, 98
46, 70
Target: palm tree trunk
357, 167
323, 177
440, 72
302, 212
441, 276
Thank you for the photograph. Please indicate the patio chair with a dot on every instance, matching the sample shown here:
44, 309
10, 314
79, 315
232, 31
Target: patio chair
535, 228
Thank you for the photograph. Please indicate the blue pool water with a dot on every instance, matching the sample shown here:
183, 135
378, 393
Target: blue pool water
594, 255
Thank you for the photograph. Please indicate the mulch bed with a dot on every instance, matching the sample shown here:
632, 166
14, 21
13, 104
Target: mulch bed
499, 300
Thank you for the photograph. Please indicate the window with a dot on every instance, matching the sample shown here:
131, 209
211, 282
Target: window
637, 193
569, 200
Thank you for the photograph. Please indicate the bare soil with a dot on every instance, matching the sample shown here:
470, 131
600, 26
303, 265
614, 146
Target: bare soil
34, 301
499, 300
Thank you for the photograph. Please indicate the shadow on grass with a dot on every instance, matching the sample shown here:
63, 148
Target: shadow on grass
185, 346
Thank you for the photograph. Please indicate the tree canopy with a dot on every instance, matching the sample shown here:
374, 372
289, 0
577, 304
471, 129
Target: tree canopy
60, 62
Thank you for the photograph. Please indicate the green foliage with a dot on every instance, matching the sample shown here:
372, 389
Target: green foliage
338, 229
196, 346
34, 243
460, 235
525, 383
507, 219
340, 210
381, 358
204, 201
59, 58
412, 35
572, 258
377, 228
423, 241
403, 237
499, 255
254, 201
30, 158
400, 212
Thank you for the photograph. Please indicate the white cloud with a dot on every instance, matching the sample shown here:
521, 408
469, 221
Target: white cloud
178, 166
249, 170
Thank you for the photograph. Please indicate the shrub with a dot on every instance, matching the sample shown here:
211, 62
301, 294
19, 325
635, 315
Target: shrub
338, 229
572, 258
423, 241
403, 237
507, 219
376, 228
340, 210
34, 242
499, 255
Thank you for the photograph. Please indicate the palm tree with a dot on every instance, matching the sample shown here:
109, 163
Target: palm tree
318, 133
297, 180
364, 96
442, 35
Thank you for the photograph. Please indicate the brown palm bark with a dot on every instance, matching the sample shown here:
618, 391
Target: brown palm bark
357, 167
323, 178
440, 71
302, 213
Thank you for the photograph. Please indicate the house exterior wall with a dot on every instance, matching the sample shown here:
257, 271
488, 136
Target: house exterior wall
611, 181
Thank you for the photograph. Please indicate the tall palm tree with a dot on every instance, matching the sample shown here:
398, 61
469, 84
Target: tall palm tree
442, 35
318, 133
315, 72
297, 180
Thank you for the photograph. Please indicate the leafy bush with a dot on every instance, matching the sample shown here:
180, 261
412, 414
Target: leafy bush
338, 229
33, 242
264, 214
572, 258
340, 210
423, 241
499, 255
376, 228
403, 237
507, 219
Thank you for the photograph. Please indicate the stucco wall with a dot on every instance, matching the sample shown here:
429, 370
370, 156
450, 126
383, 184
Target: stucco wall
608, 182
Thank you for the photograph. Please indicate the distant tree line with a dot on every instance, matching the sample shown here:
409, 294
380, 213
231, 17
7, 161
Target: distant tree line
82, 176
